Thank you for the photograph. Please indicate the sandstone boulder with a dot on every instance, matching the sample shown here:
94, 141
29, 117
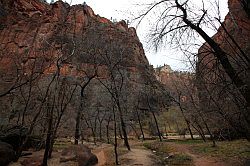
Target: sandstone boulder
14, 136
7, 154
80, 154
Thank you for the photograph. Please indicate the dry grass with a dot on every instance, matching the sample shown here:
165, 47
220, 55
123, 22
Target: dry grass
236, 151
168, 154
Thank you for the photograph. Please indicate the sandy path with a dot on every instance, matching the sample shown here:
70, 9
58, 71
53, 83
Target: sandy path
138, 156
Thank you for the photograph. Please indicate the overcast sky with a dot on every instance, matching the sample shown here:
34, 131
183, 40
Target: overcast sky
122, 9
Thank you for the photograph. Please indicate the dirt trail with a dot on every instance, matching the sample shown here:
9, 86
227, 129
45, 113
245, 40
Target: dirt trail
199, 160
138, 156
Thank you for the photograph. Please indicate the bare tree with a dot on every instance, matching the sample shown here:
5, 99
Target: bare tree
180, 24
115, 87
88, 77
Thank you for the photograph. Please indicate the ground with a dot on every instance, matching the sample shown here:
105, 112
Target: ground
168, 152
198, 153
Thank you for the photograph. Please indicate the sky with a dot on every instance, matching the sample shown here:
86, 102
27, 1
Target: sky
126, 9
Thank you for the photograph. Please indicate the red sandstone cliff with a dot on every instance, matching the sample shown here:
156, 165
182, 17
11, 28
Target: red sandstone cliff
33, 30
39, 41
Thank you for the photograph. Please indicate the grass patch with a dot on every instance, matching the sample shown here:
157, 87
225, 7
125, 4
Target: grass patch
226, 149
179, 159
159, 147
186, 141
168, 155
233, 152
61, 144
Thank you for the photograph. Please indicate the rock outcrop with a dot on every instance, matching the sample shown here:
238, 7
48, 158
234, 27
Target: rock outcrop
163, 74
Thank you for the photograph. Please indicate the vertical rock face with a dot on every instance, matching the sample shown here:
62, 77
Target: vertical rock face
35, 29
234, 38
32, 29
37, 38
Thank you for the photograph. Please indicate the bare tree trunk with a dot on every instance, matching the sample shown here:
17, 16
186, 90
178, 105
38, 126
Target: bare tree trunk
90, 125
134, 129
123, 126
58, 122
100, 131
107, 128
187, 122
51, 146
190, 131
49, 133
93, 135
157, 126
139, 120
155, 120
107, 133
78, 118
115, 144
120, 133
199, 132
211, 135
100, 120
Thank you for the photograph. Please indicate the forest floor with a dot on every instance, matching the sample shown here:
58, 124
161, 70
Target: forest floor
167, 152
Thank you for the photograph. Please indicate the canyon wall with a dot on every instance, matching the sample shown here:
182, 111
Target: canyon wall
39, 41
